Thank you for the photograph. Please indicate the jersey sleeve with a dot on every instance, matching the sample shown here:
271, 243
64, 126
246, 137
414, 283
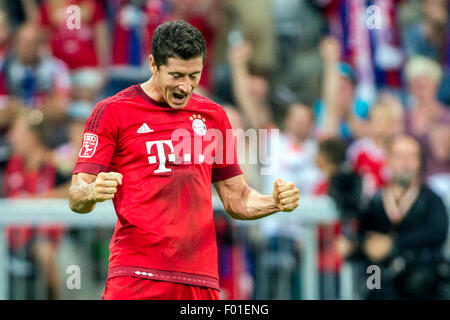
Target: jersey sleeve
228, 166
99, 141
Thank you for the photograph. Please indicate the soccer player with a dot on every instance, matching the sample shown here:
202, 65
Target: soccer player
149, 149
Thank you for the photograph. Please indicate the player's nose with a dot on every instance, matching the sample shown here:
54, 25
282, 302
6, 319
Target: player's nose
185, 86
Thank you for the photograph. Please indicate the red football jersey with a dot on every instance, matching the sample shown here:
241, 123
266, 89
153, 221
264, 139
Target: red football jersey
168, 159
369, 161
74, 45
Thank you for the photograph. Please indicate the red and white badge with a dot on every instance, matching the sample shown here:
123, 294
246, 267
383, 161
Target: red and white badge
90, 142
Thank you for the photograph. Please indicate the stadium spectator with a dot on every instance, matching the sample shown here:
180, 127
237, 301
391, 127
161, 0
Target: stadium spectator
132, 24
330, 157
438, 160
244, 21
31, 74
371, 44
83, 47
430, 37
291, 154
295, 158
343, 185
404, 228
368, 155
251, 20
38, 79
250, 89
247, 150
427, 117
33, 175
296, 147
20, 11
339, 113
298, 27
424, 76
65, 156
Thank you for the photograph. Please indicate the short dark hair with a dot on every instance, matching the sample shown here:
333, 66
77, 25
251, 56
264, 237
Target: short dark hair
334, 150
177, 39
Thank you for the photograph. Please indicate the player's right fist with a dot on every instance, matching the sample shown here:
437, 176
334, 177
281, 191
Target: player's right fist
105, 185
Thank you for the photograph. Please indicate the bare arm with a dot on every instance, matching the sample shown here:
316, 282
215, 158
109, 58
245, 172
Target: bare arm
31, 10
256, 112
88, 189
330, 51
101, 43
244, 203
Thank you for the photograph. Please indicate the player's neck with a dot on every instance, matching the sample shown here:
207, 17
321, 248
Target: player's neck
152, 91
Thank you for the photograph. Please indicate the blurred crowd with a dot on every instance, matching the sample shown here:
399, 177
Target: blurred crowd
360, 91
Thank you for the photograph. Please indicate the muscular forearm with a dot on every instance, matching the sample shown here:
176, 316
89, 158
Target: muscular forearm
244, 203
250, 205
259, 205
81, 198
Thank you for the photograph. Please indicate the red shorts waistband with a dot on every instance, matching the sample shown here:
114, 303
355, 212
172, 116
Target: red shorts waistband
164, 275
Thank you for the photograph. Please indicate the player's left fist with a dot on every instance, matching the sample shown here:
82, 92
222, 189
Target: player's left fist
285, 195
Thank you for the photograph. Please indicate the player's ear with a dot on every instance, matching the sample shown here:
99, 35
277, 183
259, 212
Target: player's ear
153, 66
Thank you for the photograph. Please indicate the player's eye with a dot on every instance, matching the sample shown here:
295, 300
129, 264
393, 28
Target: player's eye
193, 77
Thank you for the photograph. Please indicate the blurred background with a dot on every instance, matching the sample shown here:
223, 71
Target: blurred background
359, 89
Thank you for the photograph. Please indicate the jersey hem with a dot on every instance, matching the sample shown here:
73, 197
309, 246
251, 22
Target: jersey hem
164, 275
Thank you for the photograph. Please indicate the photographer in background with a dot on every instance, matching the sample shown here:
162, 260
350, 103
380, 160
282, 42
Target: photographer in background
404, 228
344, 186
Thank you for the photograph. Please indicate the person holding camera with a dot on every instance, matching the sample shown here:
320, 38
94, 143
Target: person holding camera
403, 229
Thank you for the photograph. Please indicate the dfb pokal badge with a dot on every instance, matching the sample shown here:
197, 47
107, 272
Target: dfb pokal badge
89, 145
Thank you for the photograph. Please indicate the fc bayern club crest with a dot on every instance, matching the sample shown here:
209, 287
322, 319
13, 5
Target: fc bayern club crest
198, 124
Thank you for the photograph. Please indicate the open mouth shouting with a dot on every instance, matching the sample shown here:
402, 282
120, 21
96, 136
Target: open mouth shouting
179, 98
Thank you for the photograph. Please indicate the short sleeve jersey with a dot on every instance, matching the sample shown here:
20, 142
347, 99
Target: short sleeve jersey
168, 159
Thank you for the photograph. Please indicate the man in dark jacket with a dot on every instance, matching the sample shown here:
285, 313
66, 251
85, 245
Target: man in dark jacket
404, 228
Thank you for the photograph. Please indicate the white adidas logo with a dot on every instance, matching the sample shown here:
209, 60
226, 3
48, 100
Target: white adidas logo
144, 129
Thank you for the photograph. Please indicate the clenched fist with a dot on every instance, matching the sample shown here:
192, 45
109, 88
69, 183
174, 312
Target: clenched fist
285, 195
105, 185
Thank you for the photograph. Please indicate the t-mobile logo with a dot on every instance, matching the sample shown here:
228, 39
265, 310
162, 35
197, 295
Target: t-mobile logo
161, 154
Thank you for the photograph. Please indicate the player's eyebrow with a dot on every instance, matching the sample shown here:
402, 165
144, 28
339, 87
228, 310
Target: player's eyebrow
176, 73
